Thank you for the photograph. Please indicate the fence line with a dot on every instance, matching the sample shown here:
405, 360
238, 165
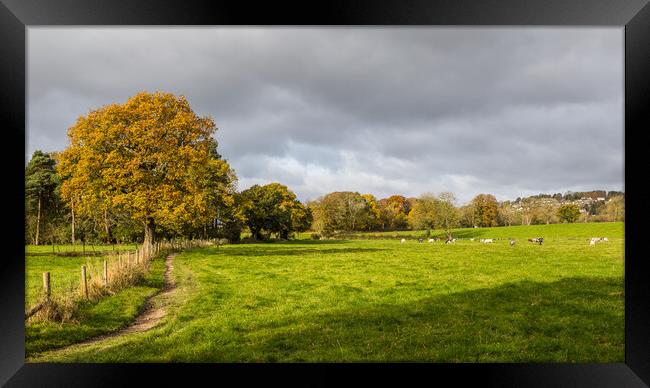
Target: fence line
116, 264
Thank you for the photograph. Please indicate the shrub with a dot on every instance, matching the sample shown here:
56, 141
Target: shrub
315, 236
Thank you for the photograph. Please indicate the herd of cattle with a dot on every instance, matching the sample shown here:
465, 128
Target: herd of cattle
512, 242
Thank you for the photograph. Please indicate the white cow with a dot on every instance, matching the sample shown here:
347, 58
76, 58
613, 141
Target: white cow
403, 241
594, 240
431, 240
592, 243
487, 241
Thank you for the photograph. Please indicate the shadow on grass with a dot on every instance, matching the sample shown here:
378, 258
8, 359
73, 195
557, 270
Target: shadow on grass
414, 235
294, 242
255, 251
571, 320
69, 254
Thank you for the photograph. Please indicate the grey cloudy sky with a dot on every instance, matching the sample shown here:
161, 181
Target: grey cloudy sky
507, 111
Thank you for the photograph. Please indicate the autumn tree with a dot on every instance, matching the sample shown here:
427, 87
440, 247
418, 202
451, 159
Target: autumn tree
485, 209
423, 215
41, 181
434, 212
275, 209
318, 215
220, 183
341, 211
447, 213
568, 213
301, 218
148, 159
467, 216
394, 211
373, 220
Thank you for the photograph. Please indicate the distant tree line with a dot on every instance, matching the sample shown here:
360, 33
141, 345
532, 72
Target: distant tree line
342, 212
150, 169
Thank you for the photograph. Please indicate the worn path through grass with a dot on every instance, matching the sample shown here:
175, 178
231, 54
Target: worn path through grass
151, 315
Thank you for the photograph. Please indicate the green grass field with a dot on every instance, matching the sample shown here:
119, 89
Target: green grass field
381, 300
64, 267
549, 232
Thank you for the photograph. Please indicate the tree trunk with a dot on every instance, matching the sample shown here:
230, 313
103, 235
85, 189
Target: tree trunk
72, 223
38, 220
107, 229
149, 234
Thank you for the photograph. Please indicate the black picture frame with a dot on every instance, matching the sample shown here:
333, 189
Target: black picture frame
633, 15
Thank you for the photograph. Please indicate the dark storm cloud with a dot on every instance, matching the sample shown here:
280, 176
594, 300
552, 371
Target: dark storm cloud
381, 110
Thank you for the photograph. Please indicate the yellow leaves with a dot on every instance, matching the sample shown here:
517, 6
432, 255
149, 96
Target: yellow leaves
148, 157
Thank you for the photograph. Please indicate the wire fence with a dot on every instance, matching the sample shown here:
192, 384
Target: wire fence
99, 278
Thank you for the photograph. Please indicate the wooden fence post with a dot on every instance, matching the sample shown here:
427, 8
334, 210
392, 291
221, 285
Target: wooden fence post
46, 284
105, 273
84, 282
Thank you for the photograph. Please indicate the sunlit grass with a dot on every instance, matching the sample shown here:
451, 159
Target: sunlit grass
382, 300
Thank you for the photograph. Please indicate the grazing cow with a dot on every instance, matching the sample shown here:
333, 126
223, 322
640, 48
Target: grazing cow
594, 240
430, 240
403, 241
450, 240
538, 240
420, 240
597, 239
471, 239
512, 242
487, 241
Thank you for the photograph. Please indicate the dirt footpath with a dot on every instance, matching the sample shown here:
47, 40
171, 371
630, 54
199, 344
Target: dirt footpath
148, 319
